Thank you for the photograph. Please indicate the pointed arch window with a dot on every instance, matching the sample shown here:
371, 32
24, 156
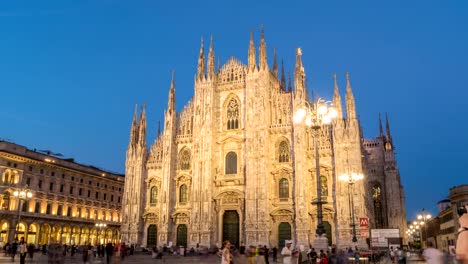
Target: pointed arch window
324, 185
283, 151
232, 114
183, 194
283, 188
377, 200
154, 195
231, 163
184, 160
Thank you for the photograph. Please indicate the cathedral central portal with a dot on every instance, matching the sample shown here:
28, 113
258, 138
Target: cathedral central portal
231, 227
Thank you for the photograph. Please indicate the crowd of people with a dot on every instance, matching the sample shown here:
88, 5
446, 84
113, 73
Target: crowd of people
57, 252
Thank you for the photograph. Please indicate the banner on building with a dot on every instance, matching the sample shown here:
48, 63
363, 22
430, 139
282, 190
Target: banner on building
379, 237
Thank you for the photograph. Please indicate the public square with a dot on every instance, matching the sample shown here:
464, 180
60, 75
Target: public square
144, 259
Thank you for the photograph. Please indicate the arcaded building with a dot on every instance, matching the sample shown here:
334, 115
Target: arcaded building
233, 165
68, 199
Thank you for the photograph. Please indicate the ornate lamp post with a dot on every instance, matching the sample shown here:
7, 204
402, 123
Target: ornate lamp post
351, 179
315, 115
21, 194
423, 217
100, 226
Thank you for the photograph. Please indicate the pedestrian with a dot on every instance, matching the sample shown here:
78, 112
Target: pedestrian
23, 251
31, 250
432, 255
286, 252
226, 257
123, 250
109, 251
462, 240
275, 254
313, 255
266, 252
303, 258
13, 250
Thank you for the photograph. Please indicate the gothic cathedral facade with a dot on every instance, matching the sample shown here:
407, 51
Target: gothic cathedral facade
233, 165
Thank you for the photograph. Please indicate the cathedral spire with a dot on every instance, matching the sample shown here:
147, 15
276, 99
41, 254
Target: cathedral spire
275, 64
262, 54
350, 105
159, 128
337, 98
134, 129
289, 82
201, 62
380, 127
299, 77
283, 77
252, 64
171, 99
142, 127
387, 126
211, 60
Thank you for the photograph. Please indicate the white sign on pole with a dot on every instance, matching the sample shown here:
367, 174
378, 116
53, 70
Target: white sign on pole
379, 236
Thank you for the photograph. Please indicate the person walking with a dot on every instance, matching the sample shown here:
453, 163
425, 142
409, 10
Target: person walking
226, 257
432, 255
13, 249
109, 252
275, 254
266, 252
462, 240
23, 250
31, 250
286, 252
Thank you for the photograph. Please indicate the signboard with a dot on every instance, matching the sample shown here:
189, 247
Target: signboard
364, 233
379, 237
363, 222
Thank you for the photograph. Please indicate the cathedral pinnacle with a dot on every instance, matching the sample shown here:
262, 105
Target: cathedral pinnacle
159, 128
275, 64
134, 129
299, 78
283, 77
142, 127
171, 99
337, 98
201, 62
380, 127
387, 126
252, 64
350, 105
211, 60
262, 54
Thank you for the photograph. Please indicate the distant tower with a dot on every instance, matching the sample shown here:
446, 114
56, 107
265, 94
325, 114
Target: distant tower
135, 186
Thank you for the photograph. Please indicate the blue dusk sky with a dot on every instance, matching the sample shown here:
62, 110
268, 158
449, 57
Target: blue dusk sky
71, 72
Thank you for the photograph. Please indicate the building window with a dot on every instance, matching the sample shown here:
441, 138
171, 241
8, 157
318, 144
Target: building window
37, 208
184, 160
97, 195
28, 181
231, 163
80, 191
105, 196
39, 184
112, 198
61, 187
154, 195
283, 151
283, 188
49, 208
118, 200
53, 174
89, 193
72, 178
42, 171
69, 211
30, 168
79, 212
51, 186
183, 194
6, 201
324, 185
71, 189
59, 210
232, 114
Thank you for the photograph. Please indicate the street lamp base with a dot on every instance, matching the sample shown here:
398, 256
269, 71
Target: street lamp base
321, 243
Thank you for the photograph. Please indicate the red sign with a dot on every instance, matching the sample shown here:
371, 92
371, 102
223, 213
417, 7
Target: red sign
364, 222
